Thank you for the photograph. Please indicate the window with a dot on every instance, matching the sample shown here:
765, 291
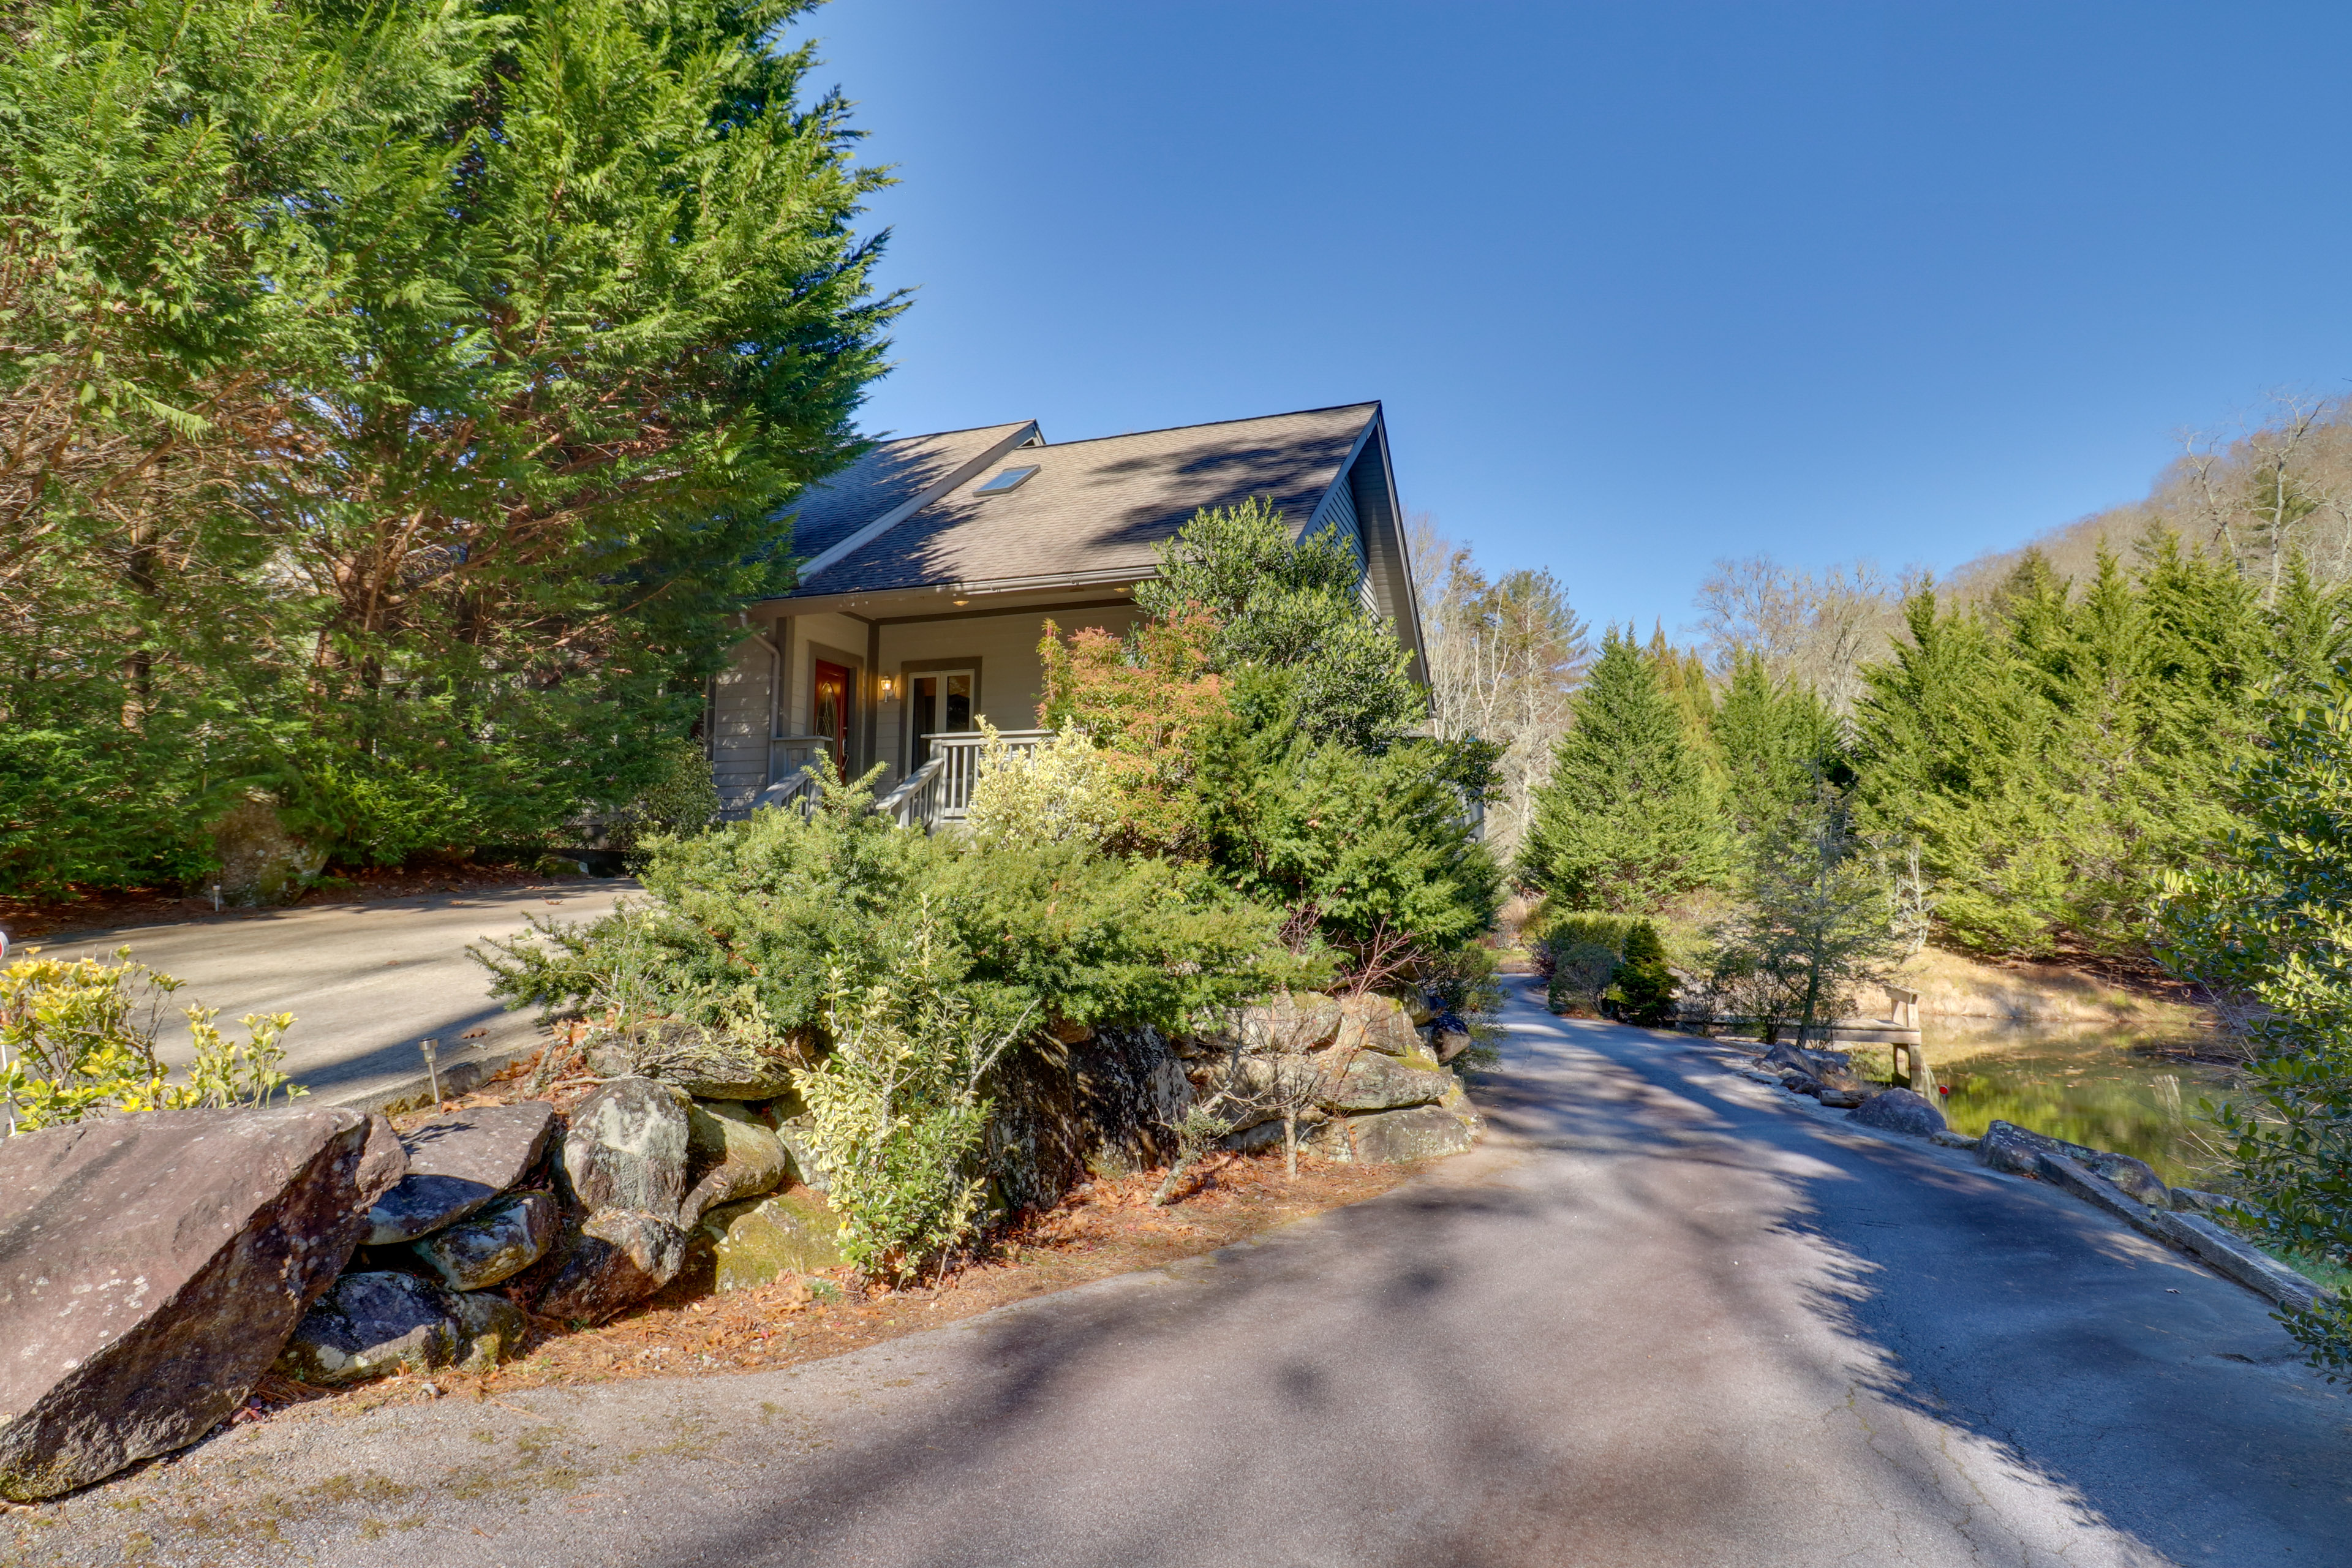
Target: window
1008, 480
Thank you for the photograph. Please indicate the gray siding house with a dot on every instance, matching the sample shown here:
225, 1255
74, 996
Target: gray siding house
929, 566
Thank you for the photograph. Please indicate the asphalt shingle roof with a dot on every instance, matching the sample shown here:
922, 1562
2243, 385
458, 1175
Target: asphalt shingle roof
1093, 506
894, 473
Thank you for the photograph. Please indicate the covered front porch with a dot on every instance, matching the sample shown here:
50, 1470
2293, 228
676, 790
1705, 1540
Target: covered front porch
903, 680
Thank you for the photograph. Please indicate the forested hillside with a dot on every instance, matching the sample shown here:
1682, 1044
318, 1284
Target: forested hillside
2046, 735
2049, 749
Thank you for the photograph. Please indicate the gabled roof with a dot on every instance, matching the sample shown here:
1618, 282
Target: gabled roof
888, 476
1094, 510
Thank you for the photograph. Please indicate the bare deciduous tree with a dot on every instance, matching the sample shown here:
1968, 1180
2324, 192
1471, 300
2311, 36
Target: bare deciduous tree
1504, 657
1808, 630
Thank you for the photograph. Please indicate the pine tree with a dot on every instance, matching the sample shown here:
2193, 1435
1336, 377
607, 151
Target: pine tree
1950, 738
1627, 820
1775, 742
1289, 605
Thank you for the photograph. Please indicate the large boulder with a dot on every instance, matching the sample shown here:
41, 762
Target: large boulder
617, 1259
735, 1154
1449, 1036
794, 1134
369, 1324
2006, 1146
1899, 1111
709, 1064
1371, 1081
1387, 1137
375, 1322
1289, 1023
492, 1327
2136, 1177
626, 1148
456, 1165
151, 1265
1811, 1071
261, 861
498, 1243
751, 1242
1374, 1023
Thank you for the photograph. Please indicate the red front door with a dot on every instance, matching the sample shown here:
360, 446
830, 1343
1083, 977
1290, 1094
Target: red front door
829, 711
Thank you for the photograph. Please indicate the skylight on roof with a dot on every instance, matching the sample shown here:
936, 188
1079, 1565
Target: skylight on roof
1010, 479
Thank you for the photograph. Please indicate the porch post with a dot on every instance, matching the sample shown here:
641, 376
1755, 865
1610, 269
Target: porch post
873, 695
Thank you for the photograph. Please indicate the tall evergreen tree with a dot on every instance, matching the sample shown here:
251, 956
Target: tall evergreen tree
1627, 819
1950, 736
1775, 743
480, 350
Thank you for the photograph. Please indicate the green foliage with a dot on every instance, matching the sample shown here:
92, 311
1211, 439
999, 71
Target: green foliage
1357, 845
2055, 755
1064, 789
1817, 917
1644, 991
1256, 724
1288, 604
777, 915
77, 1038
682, 798
896, 1114
415, 394
1585, 949
1775, 743
905, 964
2270, 920
1628, 818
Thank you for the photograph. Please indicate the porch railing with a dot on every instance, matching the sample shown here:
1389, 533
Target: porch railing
797, 792
790, 755
915, 801
932, 796
961, 752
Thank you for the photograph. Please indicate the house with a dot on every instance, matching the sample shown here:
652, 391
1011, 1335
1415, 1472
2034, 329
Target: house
929, 566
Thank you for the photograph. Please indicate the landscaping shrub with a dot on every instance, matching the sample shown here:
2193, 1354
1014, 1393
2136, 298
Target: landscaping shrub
1643, 991
775, 915
1586, 948
902, 966
895, 1112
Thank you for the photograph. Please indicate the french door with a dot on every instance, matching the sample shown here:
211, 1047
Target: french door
939, 702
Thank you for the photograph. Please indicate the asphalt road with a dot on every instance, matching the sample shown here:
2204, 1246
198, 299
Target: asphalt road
365, 982
1664, 1317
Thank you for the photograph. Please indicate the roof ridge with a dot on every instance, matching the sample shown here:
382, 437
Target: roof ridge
1213, 424
935, 434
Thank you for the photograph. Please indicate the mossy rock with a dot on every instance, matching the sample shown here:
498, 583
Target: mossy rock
740, 1245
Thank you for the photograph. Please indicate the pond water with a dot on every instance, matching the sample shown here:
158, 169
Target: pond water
2130, 1091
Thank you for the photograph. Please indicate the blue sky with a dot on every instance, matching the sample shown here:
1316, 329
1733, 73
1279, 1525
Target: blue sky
1641, 285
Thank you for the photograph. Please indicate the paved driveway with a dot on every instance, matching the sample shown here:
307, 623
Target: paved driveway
365, 982
1666, 1318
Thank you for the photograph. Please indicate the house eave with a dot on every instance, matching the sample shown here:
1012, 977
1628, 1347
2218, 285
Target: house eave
1009, 594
